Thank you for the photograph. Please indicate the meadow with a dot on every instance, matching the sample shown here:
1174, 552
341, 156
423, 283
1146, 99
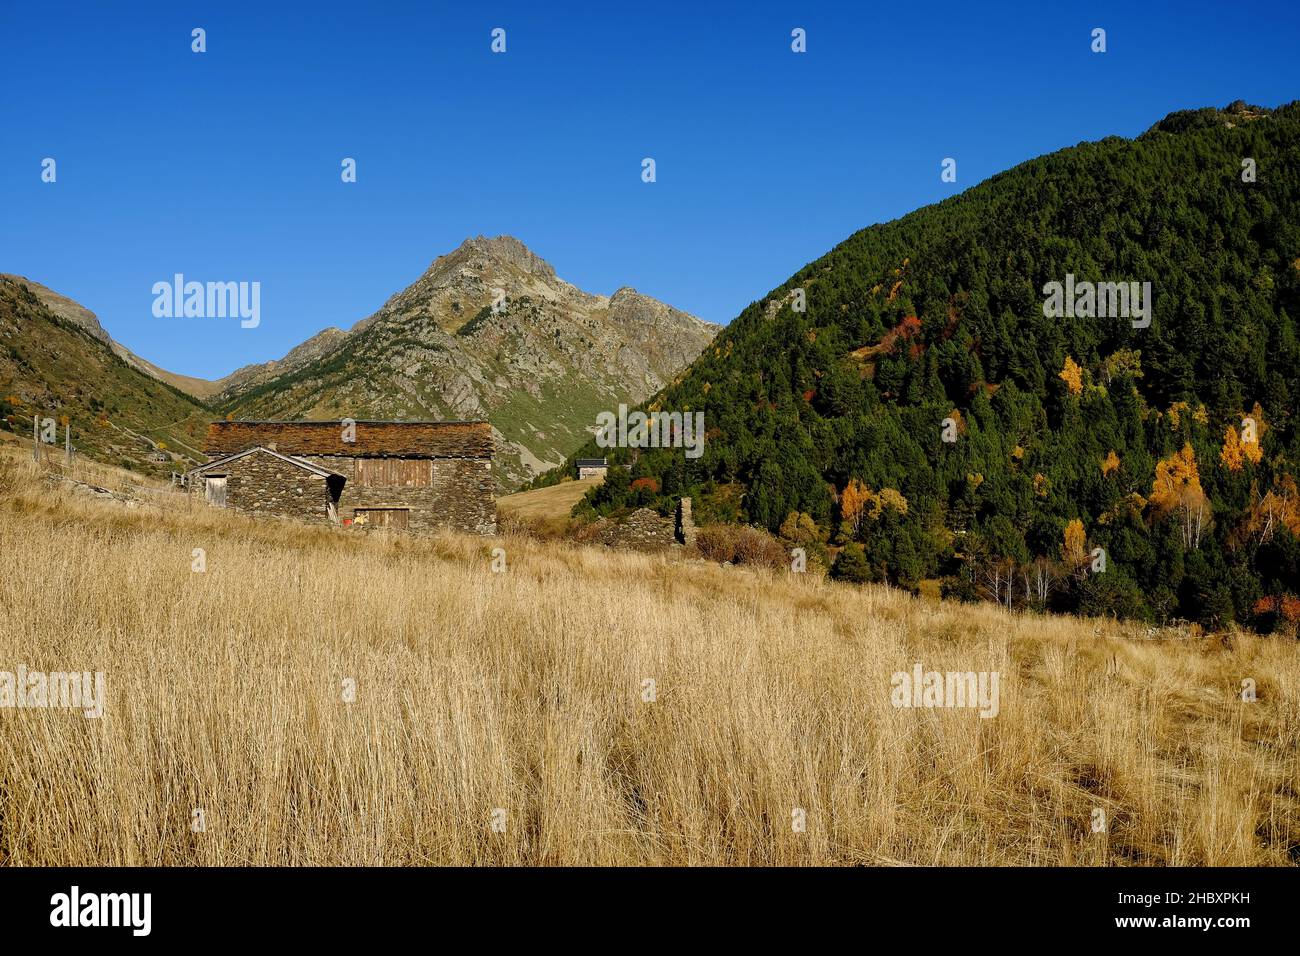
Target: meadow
324, 697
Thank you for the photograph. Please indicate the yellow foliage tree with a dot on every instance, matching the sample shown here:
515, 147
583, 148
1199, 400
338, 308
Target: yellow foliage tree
1279, 507
853, 500
890, 498
1074, 546
1252, 451
1231, 453
857, 502
1072, 375
1110, 464
1177, 490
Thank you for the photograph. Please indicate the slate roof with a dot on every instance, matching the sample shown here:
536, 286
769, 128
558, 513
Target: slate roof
373, 439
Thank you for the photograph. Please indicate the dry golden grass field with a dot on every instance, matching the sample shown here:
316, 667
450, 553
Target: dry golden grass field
500, 718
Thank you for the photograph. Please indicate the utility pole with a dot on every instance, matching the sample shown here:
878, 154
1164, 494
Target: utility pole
67, 444
36, 439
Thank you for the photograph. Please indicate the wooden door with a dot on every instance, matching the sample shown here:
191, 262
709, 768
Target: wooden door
384, 517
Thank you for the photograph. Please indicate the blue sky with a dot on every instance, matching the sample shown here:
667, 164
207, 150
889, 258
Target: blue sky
225, 165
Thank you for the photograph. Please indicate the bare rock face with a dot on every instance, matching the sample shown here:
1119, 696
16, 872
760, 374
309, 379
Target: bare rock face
489, 331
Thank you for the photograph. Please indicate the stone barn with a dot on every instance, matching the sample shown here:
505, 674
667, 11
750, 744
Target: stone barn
413, 476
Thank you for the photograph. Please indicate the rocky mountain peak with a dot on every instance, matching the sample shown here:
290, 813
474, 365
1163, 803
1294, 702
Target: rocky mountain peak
479, 252
536, 367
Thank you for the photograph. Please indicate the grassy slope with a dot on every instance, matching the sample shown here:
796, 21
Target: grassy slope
50, 367
553, 503
523, 691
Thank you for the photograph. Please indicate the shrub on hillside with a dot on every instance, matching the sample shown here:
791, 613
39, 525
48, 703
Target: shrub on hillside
851, 565
741, 544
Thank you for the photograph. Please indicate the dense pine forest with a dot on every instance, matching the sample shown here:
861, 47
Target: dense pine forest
904, 409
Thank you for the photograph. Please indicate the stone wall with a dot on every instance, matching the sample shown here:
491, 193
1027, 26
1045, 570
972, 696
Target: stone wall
462, 496
642, 530
263, 485
647, 530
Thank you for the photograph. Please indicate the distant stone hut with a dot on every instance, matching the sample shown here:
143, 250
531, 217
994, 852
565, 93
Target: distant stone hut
413, 476
591, 467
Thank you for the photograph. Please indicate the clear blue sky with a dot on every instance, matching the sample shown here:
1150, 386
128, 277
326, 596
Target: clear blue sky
225, 165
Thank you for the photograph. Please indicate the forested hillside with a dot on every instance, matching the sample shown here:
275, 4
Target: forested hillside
922, 417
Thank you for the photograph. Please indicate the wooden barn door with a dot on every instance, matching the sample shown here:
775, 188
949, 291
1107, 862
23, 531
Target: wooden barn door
384, 517
214, 489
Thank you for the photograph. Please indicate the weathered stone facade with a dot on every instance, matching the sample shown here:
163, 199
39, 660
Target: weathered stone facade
267, 485
417, 476
461, 494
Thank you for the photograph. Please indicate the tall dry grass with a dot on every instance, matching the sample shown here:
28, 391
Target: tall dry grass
523, 691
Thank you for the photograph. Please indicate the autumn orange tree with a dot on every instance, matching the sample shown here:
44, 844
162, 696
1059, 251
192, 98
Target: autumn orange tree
1177, 491
1231, 454
853, 501
858, 502
1277, 508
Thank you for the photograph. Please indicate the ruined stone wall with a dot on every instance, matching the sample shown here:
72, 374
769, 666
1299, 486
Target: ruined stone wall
647, 530
642, 530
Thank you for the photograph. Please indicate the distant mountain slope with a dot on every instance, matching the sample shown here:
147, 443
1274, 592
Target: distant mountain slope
79, 315
58, 362
1071, 437
539, 368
